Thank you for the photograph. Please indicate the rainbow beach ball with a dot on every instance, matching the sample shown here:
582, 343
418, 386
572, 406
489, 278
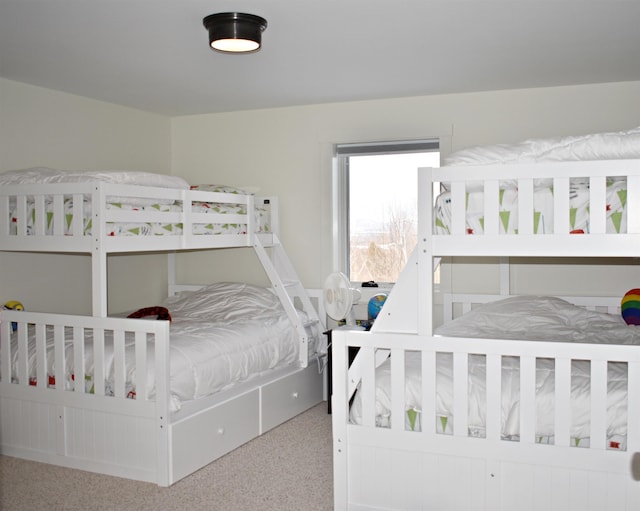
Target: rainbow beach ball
630, 307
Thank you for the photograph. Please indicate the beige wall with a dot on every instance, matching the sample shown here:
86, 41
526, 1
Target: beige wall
283, 151
41, 127
288, 152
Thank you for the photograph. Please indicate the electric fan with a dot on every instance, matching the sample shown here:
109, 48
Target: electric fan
340, 297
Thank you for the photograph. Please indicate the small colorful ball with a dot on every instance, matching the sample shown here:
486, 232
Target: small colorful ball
375, 304
630, 307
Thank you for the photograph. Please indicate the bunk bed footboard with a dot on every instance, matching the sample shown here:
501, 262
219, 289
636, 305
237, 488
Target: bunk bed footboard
69, 395
435, 460
97, 419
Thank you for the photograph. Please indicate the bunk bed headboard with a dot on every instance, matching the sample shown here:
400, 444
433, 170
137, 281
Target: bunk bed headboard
456, 304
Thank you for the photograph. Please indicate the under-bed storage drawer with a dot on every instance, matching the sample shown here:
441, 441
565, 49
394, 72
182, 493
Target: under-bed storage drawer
291, 395
212, 433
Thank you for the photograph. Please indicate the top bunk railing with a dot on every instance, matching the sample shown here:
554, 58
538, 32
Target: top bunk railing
550, 209
85, 217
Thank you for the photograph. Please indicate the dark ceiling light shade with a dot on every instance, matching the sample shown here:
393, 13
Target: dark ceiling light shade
235, 32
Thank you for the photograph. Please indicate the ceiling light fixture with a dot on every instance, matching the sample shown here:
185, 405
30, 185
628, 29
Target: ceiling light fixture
235, 32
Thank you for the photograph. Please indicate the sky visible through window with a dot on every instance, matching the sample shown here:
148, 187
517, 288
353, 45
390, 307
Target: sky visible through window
383, 198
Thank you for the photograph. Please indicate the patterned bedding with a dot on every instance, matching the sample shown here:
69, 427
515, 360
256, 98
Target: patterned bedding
597, 146
262, 219
543, 209
143, 228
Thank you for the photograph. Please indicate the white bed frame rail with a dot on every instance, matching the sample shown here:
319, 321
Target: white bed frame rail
70, 425
98, 244
526, 243
97, 195
428, 470
390, 468
113, 434
87, 428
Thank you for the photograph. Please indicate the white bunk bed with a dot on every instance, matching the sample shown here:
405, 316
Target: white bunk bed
465, 457
108, 425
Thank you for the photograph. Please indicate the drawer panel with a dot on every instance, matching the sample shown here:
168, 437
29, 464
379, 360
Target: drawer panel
291, 395
204, 437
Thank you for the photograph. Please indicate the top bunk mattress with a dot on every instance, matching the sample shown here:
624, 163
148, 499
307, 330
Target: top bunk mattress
148, 205
545, 156
620, 145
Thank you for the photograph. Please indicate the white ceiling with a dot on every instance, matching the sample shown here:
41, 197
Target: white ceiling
153, 54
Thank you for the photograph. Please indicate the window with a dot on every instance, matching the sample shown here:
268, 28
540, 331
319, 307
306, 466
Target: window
376, 215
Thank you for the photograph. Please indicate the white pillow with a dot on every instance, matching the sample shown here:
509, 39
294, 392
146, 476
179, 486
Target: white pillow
44, 175
226, 302
127, 177
597, 146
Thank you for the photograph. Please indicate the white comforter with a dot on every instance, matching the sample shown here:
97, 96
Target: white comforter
207, 357
527, 318
596, 146
45, 175
220, 335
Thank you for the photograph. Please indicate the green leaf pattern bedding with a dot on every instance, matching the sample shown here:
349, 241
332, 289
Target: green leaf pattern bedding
543, 209
150, 228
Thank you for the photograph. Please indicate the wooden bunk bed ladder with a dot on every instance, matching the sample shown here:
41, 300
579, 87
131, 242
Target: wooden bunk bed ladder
289, 288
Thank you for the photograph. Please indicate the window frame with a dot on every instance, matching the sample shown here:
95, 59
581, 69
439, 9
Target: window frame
341, 211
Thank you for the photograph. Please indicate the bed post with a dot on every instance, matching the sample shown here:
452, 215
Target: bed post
409, 308
340, 411
98, 254
425, 252
161, 346
171, 274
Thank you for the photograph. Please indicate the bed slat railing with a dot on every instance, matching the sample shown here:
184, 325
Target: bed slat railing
527, 238
78, 380
598, 202
69, 355
633, 203
527, 398
34, 217
460, 393
527, 353
493, 397
562, 401
633, 407
402, 461
561, 206
397, 391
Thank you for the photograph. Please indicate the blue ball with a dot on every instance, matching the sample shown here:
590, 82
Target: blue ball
375, 304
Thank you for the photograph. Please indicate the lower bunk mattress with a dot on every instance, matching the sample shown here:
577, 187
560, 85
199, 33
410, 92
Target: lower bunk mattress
220, 335
527, 318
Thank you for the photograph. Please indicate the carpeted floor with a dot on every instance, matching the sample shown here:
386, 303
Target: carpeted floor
288, 468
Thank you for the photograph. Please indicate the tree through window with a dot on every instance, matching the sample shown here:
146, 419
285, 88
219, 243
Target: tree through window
378, 215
